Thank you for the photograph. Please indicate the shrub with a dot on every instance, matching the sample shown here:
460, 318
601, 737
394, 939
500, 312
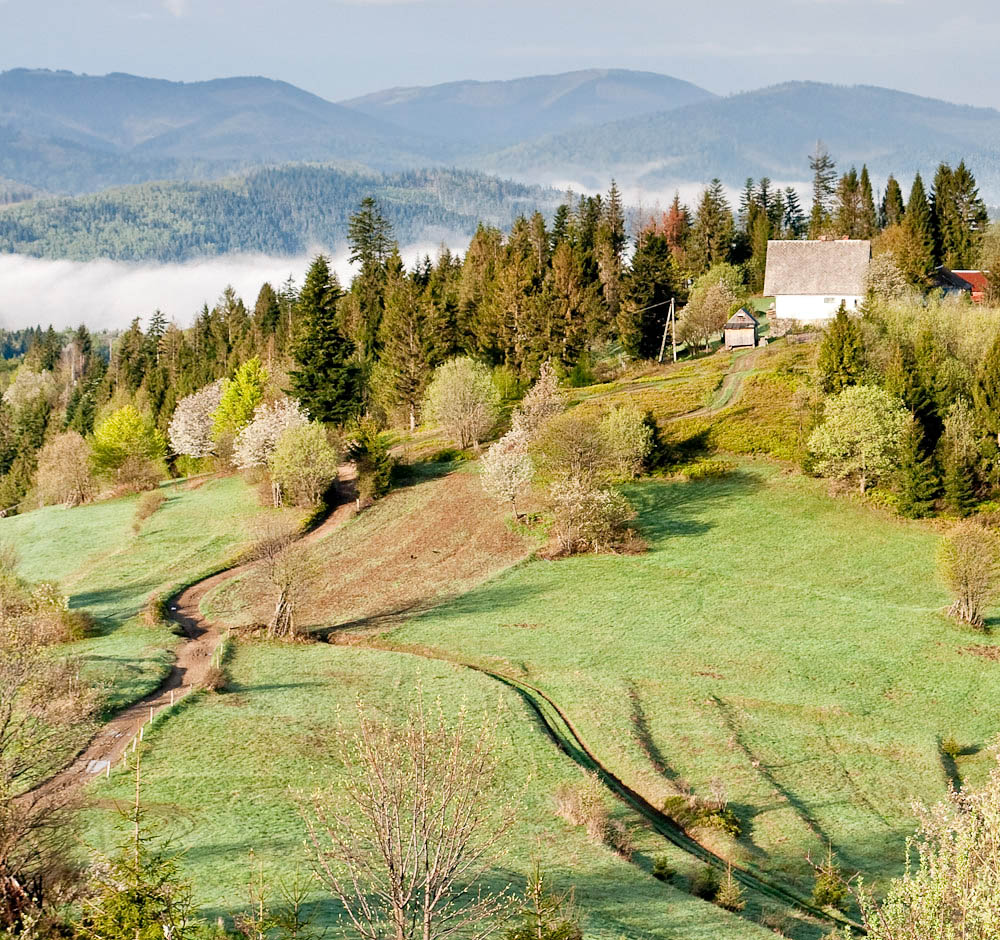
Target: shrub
951, 747
303, 465
214, 680
148, 504
969, 562
629, 441
705, 883
586, 518
463, 399
507, 470
829, 887
618, 838
136, 475
64, 474
690, 811
662, 868
583, 804
543, 401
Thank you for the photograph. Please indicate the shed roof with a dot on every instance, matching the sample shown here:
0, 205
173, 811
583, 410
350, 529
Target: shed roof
743, 319
817, 267
977, 280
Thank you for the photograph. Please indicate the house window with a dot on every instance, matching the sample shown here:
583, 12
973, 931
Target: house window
829, 300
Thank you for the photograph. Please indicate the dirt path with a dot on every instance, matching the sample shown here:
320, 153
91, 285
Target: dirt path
193, 660
729, 391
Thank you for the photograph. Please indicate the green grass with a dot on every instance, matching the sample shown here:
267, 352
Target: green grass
108, 570
221, 774
788, 643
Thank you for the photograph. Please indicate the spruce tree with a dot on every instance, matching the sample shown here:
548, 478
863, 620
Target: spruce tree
712, 232
847, 214
868, 217
893, 209
959, 485
648, 291
824, 186
402, 337
921, 226
326, 381
841, 355
794, 222
917, 478
986, 390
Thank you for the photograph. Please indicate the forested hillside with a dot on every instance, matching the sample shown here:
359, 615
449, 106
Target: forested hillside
274, 211
768, 133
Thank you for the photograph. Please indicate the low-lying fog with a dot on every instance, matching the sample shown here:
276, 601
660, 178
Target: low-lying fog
109, 294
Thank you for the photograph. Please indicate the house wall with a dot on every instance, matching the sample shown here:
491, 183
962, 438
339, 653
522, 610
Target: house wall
812, 308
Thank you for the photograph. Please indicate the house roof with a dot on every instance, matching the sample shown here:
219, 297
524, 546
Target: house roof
743, 319
977, 280
817, 267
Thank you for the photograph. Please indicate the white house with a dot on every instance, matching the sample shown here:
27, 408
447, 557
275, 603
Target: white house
809, 280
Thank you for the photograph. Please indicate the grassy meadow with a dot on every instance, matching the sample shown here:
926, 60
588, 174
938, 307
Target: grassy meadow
110, 571
785, 642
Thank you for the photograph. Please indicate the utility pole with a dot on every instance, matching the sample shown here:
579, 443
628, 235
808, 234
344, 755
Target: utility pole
671, 324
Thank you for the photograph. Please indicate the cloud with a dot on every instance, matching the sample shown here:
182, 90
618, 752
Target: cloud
177, 8
110, 294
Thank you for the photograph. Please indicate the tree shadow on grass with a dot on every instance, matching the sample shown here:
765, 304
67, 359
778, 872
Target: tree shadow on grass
674, 508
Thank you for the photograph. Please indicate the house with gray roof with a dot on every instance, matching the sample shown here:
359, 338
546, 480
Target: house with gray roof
809, 280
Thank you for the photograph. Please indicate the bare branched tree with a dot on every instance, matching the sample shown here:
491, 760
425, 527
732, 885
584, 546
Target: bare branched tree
288, 568
42, 707
407, 840
969, 560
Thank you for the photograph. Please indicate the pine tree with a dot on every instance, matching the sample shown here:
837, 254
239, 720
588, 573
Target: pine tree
369, 236
868, 218
959, 216
841, 355
402, 340
712, 232
648, 291
847, 213
824, 179
326, 381
921, 226
986, 390
893, 210
917, 479
794, 223
677, 229
959, 486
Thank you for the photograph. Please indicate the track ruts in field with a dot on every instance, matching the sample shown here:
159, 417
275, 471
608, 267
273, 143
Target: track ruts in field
563, 733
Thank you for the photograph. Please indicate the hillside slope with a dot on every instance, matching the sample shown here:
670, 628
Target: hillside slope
503, 112
770, 132
282, 211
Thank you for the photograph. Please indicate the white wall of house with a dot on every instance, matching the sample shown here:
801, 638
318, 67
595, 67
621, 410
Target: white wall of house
812, 308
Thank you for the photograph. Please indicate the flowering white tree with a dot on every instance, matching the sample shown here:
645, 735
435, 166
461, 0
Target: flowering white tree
256, 442
507, 470
544, 400
28, 386
191, 427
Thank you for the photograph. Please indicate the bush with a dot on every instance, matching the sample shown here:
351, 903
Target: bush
690, 812
830, 887
589, 519
951, 747
583, 804
629, 441
303, 465
705, 883
969, 562
136, 475
662, 868
463, 399
64, 474
255, 442
215, 679
370, 454
148, 504
618, 838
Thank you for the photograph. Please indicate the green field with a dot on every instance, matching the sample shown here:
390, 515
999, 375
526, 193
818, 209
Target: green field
106, 569
222, 772
785, 642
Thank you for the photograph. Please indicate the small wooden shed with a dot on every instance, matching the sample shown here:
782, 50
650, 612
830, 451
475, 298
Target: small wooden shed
741, 330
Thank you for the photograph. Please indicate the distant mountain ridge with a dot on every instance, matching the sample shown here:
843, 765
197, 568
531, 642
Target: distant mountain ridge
499, 113
770, 132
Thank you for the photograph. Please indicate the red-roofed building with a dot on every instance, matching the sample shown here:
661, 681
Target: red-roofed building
975, 283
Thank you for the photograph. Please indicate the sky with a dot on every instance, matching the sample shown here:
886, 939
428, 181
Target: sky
343, 48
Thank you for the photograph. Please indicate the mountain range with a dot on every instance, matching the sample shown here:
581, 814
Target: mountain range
68, 135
